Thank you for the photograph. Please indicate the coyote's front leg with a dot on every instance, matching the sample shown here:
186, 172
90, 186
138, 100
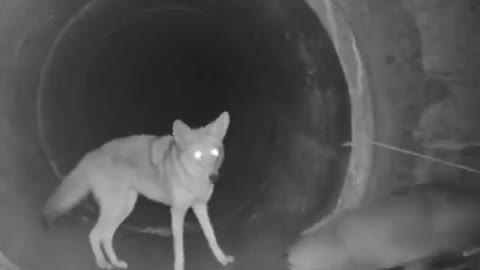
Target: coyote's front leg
178, 217
201, 212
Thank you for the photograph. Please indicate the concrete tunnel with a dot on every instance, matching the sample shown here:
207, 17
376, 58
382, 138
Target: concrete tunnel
300, 78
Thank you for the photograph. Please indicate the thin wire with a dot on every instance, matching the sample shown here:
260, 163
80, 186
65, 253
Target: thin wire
408, 152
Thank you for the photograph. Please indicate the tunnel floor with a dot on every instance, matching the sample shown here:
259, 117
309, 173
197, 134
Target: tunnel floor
149, 252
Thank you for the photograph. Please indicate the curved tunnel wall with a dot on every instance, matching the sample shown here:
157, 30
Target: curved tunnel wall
143, 67
417, 68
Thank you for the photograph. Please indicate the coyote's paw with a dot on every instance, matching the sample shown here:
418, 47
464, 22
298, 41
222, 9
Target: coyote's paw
103, 264
120, 264
226, 259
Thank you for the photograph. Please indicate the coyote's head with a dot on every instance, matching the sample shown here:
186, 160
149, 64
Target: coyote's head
201, 149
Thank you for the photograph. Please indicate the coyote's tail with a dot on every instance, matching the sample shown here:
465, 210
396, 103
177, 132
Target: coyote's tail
67, 195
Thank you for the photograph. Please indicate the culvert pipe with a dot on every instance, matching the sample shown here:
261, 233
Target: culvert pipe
299, 79
117, 68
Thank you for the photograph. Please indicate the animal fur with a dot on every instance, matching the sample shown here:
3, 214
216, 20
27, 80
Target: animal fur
178, 170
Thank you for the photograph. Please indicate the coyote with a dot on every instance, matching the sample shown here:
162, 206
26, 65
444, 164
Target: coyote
409, 228
179, 171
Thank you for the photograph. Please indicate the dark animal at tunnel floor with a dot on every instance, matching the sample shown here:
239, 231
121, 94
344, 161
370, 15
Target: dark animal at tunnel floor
6, 264
410, 227
174, 170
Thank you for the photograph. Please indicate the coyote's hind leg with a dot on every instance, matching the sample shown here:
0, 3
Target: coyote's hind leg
112, 214
96, 244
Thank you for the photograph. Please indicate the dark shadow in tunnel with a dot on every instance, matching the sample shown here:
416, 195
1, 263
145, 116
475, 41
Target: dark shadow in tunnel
181, 70
271, 65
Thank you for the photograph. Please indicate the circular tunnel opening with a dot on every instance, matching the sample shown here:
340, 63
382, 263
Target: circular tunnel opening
170, 63
119, 69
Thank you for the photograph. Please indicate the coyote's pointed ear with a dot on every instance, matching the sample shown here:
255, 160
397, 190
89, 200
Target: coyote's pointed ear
218, 128
181, 132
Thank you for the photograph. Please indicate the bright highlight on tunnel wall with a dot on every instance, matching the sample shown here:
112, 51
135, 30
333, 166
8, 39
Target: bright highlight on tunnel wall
118, 70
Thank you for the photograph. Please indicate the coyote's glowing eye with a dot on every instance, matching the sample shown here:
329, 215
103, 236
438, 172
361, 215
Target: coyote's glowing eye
214, 152
197, 155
